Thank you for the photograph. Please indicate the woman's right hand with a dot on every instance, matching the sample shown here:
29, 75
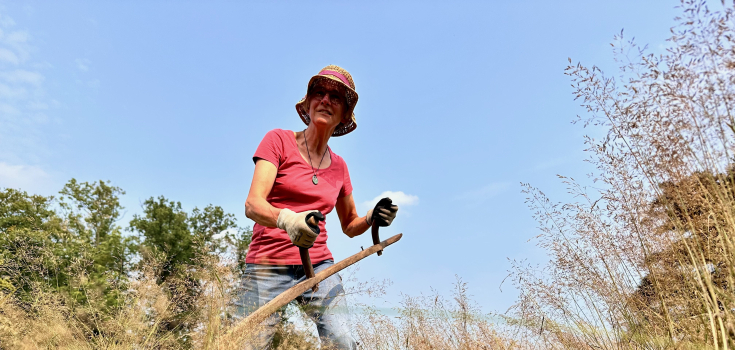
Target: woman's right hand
302, 234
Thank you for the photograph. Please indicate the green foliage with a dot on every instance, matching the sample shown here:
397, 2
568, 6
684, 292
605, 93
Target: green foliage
73, 247
207, 223
180, 239
181, 243
241, 242
20, 210
92, 208
90, 212
166, 234
44, 249
34, 247
699, 205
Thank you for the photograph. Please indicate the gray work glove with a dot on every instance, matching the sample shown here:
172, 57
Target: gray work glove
302, 234
383, 213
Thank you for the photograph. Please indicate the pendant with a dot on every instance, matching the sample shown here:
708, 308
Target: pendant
314, 180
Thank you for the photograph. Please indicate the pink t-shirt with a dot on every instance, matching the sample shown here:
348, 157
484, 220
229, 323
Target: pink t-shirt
294, 190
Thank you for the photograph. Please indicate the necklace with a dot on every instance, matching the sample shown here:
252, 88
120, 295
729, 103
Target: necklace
314, 180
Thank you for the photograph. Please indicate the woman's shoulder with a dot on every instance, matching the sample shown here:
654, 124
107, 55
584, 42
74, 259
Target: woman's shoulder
337, 159
279, 134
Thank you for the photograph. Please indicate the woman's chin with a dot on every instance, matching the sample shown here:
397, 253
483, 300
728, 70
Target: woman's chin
322, 121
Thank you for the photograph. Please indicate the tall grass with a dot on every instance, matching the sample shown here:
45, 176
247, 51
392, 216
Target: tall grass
432, 322
144, 319
645, 257
145, 315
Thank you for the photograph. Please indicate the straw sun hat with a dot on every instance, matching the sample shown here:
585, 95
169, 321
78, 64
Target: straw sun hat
335, 75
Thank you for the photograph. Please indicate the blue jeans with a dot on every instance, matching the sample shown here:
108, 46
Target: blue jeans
261, 283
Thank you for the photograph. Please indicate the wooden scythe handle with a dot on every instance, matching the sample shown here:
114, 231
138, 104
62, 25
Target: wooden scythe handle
305, 257
308, 268
246, 326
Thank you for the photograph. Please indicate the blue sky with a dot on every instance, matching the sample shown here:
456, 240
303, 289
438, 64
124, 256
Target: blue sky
459, 103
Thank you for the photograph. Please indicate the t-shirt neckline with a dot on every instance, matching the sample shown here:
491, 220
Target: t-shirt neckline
296, 145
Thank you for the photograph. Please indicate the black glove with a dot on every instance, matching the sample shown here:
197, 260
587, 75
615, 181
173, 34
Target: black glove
383, 213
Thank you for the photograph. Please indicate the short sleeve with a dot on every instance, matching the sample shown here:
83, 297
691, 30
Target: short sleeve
271, 148
346, 189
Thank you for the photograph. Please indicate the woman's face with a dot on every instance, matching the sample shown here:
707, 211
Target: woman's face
327, 104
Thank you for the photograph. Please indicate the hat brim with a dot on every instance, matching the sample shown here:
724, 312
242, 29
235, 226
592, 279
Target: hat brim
342, 128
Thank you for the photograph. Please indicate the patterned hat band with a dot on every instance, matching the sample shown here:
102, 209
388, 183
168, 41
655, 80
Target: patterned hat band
337, 75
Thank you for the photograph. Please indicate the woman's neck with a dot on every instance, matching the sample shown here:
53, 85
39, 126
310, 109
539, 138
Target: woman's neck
317, 139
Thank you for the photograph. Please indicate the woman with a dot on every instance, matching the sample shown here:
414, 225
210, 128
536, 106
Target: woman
296, 173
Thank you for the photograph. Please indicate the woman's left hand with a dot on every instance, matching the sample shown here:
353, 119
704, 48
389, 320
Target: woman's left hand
383, 213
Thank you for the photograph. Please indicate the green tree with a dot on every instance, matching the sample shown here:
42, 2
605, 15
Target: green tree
240, 241
73, 248
699, 205
32, 251
92, 211
206, 226
181, 245
18, 209
92, 208
79, 251
165, 234
179, 239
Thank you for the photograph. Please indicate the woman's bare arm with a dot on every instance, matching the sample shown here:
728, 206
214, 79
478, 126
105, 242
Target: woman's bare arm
256, 206
352, 224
